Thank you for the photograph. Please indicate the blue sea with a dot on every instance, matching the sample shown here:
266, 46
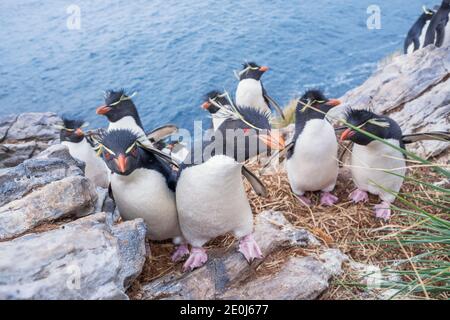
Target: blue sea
173, 52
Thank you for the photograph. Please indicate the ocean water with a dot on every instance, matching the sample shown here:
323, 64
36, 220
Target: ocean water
173, 52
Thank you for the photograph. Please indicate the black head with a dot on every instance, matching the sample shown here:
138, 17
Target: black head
380, 126
314, 105
216, 97
251, 70
71, 130
254, 123
121, 151
118, 105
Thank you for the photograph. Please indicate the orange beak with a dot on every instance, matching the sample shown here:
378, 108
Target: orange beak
264, 68
347, 134
79, 132
273, 141
102, 110
333, 102
206, 105
121, 163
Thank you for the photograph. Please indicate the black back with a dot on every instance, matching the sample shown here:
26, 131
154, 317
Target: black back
240, 141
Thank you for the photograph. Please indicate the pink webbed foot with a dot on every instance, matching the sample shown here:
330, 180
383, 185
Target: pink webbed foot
328, 199
181, 251
304, 200
197, 258
383, 210
249, 248
359, 196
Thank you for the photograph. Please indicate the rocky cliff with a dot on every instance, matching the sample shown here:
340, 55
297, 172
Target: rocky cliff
61, 239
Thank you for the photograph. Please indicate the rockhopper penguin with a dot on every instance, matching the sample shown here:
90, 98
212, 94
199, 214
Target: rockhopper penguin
211, 201
250, 90
210, 104
312, 163
143, 185
415, 32
72, 136
437, 27
372, 160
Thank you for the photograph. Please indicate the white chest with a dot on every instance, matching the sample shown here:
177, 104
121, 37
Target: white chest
371, 164
211, 200
249, 93
313, 165
95, 168
145, 194
126, 123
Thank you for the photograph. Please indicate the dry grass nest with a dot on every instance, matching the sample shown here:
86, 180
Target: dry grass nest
345, 226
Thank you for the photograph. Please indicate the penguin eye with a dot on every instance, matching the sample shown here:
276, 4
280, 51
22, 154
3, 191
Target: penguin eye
134, 152
108, 155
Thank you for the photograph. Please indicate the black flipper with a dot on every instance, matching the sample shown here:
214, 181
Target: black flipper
256, 183
280, 153
110, 192
160, 155
162, 132
434, 135
272, 103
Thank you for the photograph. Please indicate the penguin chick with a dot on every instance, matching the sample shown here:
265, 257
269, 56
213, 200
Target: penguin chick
211, 198
312, 163
372, 161
143, 185
72, 136
415, 32
250, 90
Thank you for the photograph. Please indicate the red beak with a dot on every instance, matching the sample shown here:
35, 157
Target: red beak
347, 134
102, 110
79, 132
264, 68
206, 105
121, 163
333, 102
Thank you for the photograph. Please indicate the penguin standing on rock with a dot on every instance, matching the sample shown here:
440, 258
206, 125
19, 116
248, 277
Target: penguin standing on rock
250, 90
312, 163
415, 32
372, 161
211, 198
72, 136
143, 185
436, 30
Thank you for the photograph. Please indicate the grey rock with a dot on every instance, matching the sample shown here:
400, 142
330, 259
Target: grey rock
226, 271
53, 165
85, 259
5, 124
301, 278
34, 126
69, 197
24, 136
413, 90
14, 154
